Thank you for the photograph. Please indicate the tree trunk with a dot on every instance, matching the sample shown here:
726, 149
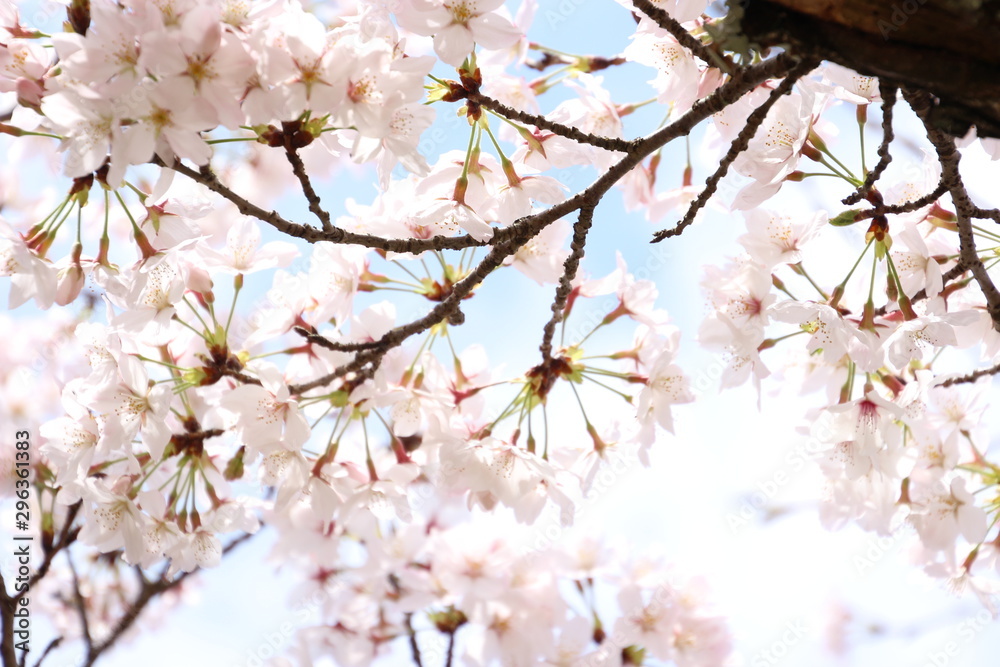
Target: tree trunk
950, 48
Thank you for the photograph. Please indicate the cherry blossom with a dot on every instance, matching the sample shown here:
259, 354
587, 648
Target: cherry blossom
242, 254
277, 234
265, 415
458, 26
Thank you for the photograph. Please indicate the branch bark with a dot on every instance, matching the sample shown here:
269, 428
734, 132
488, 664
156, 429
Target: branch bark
951, 48
965, 209
506, 241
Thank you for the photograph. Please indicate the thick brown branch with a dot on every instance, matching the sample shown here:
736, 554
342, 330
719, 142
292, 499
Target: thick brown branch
325, 342
950, 48
8, 606
312, 235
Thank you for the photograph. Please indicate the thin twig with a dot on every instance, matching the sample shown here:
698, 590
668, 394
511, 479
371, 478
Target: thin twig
414, 647
888, 92
299, 169
81, 607
991, 213
541, 122
905, 207
149, 591
242, 377
48, 649
965, 209
451, 649
67, 536
570, 267
686, 39
439, 313
971, 377
740, 143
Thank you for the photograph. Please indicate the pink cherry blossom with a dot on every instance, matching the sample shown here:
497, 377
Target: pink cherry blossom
458, 26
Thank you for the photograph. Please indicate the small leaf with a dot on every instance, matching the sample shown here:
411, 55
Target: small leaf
846, 218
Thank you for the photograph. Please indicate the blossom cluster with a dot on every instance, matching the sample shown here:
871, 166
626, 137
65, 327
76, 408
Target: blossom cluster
214, 376
903, 434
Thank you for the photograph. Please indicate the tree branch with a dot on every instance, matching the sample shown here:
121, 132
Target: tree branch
299, 169
149, 591
242, 377
541, 122
414, 647
507, 240
48, 649
323, 341
451, 649
439, 313
739, 145
686, 39
67, 536
570, 267
965, 209
905, 207
312, 235
81, 607
888, 93
8, 606
971, 377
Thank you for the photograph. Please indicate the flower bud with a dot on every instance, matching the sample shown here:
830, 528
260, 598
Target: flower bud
71, 279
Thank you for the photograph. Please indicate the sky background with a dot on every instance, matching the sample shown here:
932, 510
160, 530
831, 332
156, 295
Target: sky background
769, 575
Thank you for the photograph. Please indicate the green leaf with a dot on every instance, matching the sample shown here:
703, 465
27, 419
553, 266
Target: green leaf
845, 219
